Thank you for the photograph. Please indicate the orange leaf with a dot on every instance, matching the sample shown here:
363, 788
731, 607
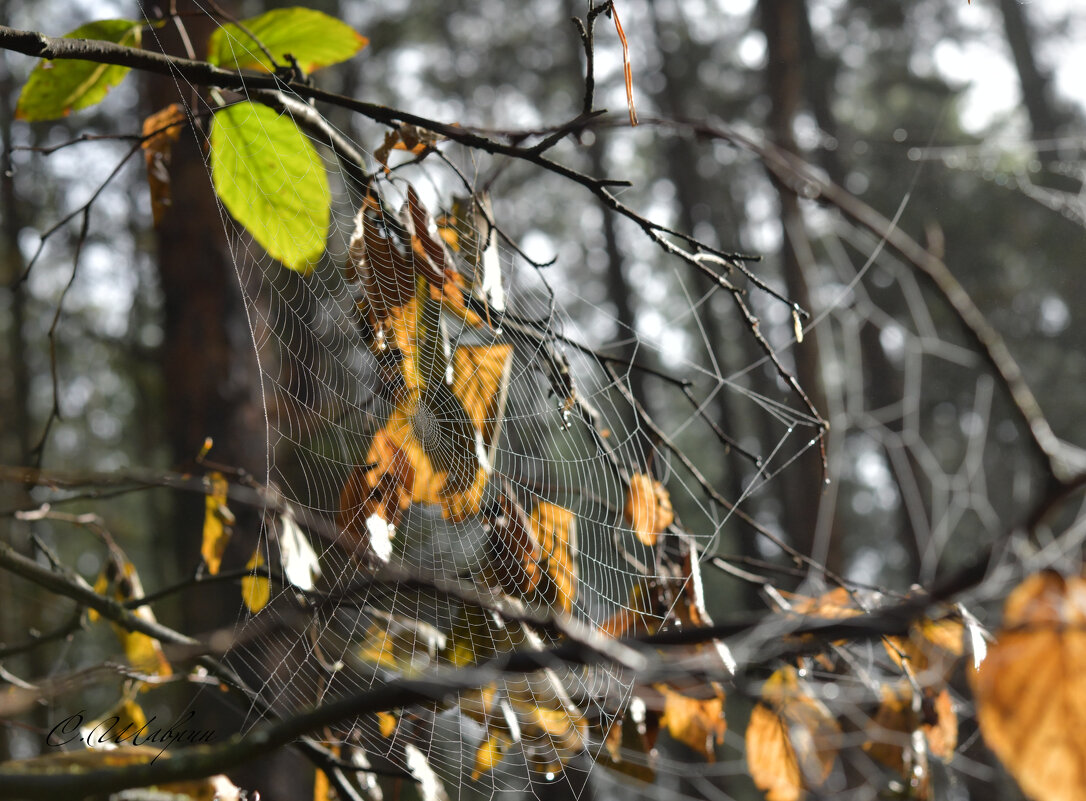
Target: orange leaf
932, 649
1031, 690
648, 508
625, 65
555, 530
481, 383
791, 739
488, 754
161, 130
835, 604
696, 722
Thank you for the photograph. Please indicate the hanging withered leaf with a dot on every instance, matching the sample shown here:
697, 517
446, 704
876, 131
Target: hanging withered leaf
218, 522
1030, 691
410, 138
533, 557
160, 131
121, 581
792, 739
555, 529
375, 260
629, 735
696, 722
648, 508
255, 589
481, 382
431, 257
932, 648
626, 69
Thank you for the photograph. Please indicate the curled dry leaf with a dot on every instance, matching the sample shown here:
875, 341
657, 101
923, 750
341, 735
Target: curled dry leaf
1030, 692
648, 508
377, 261
161, 130
792, 739
534, 557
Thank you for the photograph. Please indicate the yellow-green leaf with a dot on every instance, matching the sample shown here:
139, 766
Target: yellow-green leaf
57, 88
272, 181
313, 39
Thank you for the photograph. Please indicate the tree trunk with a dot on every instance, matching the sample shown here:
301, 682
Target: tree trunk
783, 24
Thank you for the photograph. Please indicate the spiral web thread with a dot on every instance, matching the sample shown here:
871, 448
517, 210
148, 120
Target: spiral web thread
326, 397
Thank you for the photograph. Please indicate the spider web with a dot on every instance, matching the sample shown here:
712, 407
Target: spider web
548, 535
566, 436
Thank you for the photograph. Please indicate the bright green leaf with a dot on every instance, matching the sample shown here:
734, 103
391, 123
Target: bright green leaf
314, 39
57, 88
272, 181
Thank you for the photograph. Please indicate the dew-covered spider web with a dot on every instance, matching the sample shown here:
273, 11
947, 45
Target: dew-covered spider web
472, 453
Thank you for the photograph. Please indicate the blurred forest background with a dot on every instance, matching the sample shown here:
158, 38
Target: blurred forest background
956, 120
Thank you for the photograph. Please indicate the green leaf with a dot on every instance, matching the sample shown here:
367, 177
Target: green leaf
314, 39
57, 88
272, 181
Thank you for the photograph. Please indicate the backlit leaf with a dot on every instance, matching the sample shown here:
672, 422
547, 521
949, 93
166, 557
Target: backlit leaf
218, 522
1030, 691
57, 88
314, 39
144, 653
696, 722
555, 529
648, 508
488, 754
272, 181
